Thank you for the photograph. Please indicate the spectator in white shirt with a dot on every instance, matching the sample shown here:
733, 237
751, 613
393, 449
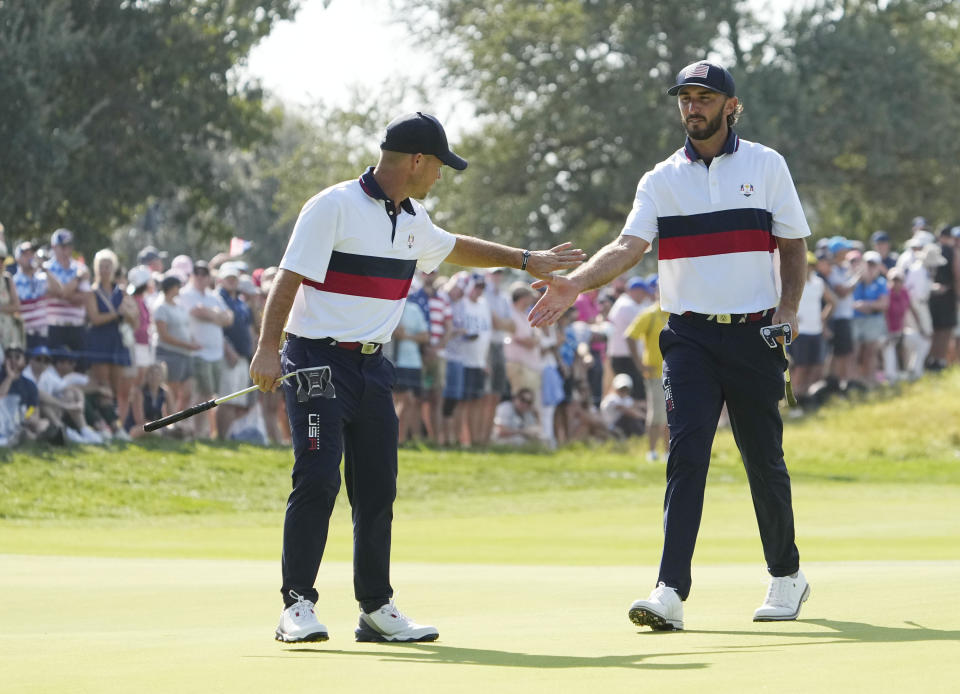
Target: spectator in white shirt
627, 307
809, 348
209, 315
515, 422
621, 413
522, 348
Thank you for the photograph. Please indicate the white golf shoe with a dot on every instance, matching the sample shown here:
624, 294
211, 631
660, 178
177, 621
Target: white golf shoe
662, 611
299, 623
784, 597
390, 624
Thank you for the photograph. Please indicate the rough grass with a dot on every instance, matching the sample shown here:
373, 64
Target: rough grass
909, 437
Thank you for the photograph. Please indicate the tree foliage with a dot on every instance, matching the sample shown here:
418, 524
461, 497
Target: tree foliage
105, 104
863, 101
860, 96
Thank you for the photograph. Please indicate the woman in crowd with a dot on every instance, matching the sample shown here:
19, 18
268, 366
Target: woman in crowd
175, 346
138, 282
113, 318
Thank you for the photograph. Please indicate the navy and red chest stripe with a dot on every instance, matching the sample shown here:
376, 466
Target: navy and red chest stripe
369, 276
716, 233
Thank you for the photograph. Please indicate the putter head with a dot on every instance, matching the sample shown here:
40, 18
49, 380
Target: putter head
771, 334
315, 382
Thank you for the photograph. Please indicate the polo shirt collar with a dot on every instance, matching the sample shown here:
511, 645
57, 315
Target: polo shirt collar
729, 147
373, 189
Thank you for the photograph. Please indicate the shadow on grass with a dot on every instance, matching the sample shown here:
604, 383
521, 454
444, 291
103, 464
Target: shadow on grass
832, 632
451, 655
854, 632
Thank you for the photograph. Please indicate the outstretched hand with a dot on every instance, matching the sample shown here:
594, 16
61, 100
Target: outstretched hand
542, 263
560, 295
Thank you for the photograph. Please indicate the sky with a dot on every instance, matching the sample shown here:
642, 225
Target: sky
324, 52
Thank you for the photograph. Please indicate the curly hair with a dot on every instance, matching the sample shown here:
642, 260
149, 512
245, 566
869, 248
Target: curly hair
735, 116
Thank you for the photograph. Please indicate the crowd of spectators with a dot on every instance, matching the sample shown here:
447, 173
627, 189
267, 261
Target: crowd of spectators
91, 353
871, 316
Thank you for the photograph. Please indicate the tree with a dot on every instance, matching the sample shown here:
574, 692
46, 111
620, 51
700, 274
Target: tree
862, 99
105, 104
571, 106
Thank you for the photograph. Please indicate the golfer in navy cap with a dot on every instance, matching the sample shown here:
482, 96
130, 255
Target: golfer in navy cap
338, 297
720, 207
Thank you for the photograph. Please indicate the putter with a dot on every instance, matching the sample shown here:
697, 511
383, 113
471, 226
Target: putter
781, 334
312, 382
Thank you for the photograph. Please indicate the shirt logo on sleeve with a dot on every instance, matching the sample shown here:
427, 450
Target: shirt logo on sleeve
747, 189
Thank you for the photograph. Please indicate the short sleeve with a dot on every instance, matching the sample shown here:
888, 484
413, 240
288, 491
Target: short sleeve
789, 222
311, 243
438, 245
642, 220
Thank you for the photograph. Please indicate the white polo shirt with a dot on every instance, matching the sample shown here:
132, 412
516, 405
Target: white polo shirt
717, 225
357, 267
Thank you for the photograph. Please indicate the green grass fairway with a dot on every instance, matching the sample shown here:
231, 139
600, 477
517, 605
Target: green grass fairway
141, 625
155, 568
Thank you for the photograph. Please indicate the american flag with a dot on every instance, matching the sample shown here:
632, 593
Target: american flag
698, 70
239, 246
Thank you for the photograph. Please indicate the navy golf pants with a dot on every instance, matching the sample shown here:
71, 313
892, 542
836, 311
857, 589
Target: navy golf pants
705, 365
359, 425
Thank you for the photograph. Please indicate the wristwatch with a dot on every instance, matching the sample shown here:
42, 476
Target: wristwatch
526, 257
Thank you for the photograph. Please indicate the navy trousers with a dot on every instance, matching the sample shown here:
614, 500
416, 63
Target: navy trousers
359, 425
705, 365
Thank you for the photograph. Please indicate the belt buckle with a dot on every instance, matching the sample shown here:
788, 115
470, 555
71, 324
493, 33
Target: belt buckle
368, 348
723, 318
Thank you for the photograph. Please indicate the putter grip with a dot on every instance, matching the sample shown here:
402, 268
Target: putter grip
177, 416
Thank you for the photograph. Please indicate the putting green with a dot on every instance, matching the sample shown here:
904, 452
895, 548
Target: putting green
99, 625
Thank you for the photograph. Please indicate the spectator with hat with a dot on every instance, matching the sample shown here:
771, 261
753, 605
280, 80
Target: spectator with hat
176, 347
842, 281
870, 301
897, 308
209, 315
152, 258
645, 330
918, 329
622, 414
32, 291
239, 339
19, 400
626, 307
64, 394
69, 287
515, 421
11, 325
880, 241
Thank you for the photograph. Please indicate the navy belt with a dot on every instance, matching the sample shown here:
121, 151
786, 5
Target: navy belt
730, 318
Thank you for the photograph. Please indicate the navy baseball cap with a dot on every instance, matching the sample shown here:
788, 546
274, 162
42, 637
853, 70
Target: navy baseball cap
705, 74
879, 235
420, 133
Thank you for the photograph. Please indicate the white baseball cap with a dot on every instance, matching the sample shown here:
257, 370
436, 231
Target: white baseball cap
622, 381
